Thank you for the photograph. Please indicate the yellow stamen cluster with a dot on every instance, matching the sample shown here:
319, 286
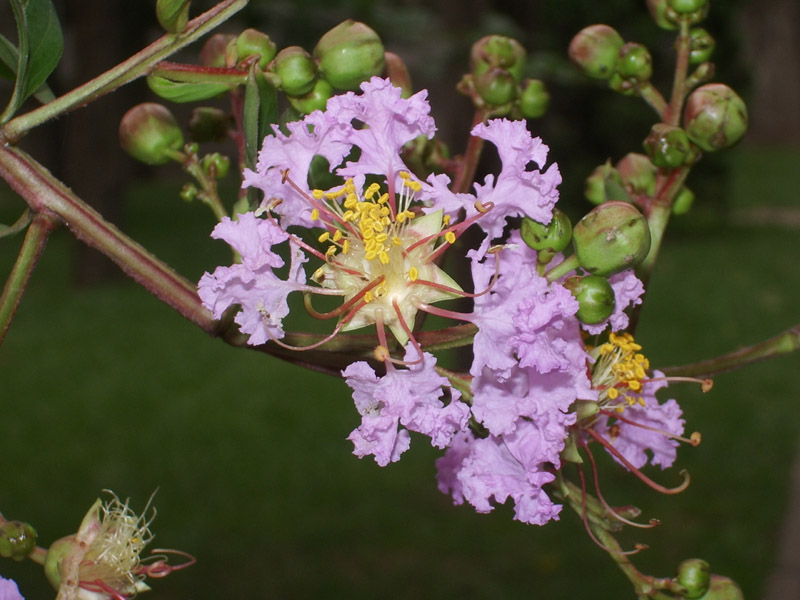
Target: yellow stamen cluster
620, 367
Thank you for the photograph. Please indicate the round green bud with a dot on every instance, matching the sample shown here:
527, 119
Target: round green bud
596, 189
398, 74
213, 53
554, 236
533, 98
683, 201
349, 54
173, 15
658, 10
618, 83
701, 45
254, 43
498, 52
189, 192
150, 133
694, 575
722, 588
316, 99
297, 70
687, 6
638, 173
634, 62
17, 540
595, 298
611, 238
216, 165
715, 117
667, 146
496, 87
595, 49
208, 124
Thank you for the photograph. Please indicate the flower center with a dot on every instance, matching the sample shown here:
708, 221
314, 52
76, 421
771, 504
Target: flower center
618, 372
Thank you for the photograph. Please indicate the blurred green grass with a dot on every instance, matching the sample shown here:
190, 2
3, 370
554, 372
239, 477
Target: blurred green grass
105, 388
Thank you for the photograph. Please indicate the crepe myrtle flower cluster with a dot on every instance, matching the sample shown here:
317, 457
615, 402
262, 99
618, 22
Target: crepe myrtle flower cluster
535, 390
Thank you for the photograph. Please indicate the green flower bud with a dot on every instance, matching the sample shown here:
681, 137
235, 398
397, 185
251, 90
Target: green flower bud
297, 70
254, 43
658, 10
701, 45
208, 124
496, 86
214, 50
173, 14
189, 192
216, 165
398, 73
667, 146
555, 236
316, 99
611, 238
722, 588
150, 133
715, 117
594, 49
687, 6
348, 54
618, 83
17, 540
694, 575
604, 184
638, 173
498, 52
533, 98
683, 201
634, 62
595, 298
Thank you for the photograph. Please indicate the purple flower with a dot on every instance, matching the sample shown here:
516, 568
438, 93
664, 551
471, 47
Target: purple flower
403, 400
9, 590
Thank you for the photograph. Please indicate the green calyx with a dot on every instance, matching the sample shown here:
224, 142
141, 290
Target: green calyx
533, 99
595, 50
595, 298
17, 540
667, 146
251, 43
296, 69
611, 238
349, 54
498, 52
715, 117
150, 133
55, 554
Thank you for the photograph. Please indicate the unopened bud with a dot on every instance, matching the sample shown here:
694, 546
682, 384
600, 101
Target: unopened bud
595, 298
349, 54
595, 49
555, 236
667, 146
683, 201
398, 74
701, 45
611, 238
498, 52
150, 133
638, 173
694, 575
208, 124
715, 117
658, 10
722, 588
316, 99
533, 98
216, 165
213, 52
687, 6
297, 70
496, 86
603, 184
634, 62
17, 540
189, 192
173, 14
255, 43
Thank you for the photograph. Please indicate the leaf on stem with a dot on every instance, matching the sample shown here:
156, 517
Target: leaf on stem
260, 111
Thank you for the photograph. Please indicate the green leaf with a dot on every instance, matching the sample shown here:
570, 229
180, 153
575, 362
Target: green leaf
9, 56
185, 91
260, 111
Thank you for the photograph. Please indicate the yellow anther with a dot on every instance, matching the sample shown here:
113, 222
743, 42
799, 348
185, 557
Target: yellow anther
401, 217
404, 175
350, 201
378, 226
330, 251
381, 237
396, 241
413, 273
414, 185
367, 234
384, 257
384, 211
318, 275
635, 385
613, 393
324, 237
409, 214
384, 198
317, 194
446, 220
348, 215
345, 246
450, 237
371, 191
370, 244
370, 255
374, 213
369, 297
314, 214
337, 235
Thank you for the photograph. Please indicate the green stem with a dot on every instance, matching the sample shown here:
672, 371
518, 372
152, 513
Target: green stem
673, 114
466, 170
22, 64
783, 343
653, 97
569, 264
32, 247
137, 65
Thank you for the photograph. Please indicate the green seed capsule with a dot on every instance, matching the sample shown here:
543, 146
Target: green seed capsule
316, 99
687, 6
638, 173
667, 146
595, 49
634, 62
595, 298
554, 236
349, 54
694, 574
150, 133
255, 43
496, 86
498, 52
658, 10
297, 71
611, 238
533, 98
715, 117
722, 588
701, 45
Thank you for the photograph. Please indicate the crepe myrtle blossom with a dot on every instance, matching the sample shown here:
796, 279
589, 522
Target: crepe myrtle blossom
9, 590
374, 239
